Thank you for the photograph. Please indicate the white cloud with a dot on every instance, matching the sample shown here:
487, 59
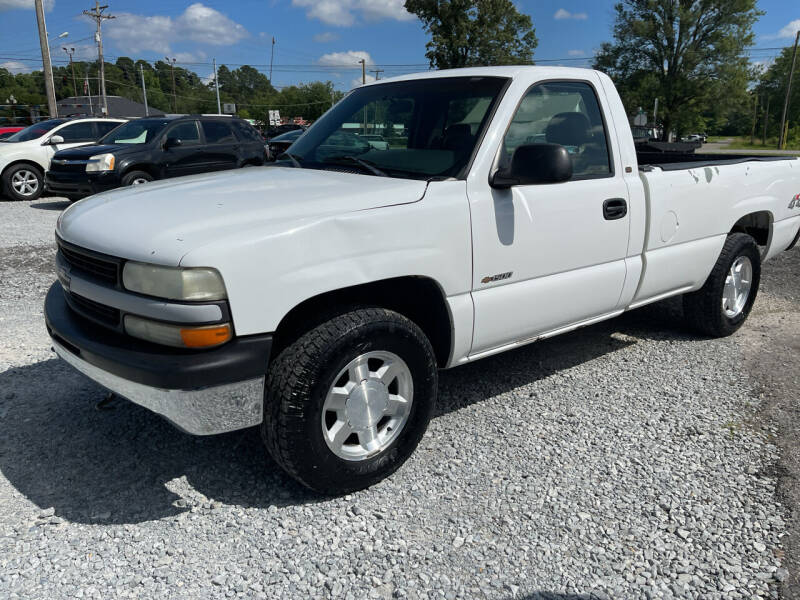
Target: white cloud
15, 67
563, 13
345, 59
324, 38
23, 4
788, 31
198, 23
342, 13
576, 53
188, 57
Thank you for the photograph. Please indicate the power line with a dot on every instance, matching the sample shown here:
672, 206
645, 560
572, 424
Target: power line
97, 14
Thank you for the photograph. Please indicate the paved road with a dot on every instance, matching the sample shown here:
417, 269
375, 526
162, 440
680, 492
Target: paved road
630, 459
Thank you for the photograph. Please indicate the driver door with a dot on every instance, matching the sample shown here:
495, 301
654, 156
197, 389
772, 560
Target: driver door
183, 152
548, 256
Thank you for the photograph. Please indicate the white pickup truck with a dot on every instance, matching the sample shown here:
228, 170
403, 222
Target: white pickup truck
318, 298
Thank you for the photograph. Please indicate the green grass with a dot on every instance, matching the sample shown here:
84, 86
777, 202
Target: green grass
743, 143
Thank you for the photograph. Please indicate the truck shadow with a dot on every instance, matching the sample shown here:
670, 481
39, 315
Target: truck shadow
126, 465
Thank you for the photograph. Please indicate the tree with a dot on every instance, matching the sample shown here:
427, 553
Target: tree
686, 53
468, 33
772, 86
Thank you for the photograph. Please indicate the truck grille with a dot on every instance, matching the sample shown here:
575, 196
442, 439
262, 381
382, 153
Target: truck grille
94, 310
68, 166
99, 266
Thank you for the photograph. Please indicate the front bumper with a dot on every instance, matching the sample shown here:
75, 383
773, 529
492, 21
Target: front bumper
76, 184
200, 392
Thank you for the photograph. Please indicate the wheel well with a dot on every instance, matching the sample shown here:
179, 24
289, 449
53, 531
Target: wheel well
757, 225
149, 169
30, 163
418, 298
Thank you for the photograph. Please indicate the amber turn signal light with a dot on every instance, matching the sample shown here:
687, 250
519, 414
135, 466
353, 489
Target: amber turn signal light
205, 337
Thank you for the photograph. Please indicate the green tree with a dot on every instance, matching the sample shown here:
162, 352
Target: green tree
772, 89
468, 33
687, 53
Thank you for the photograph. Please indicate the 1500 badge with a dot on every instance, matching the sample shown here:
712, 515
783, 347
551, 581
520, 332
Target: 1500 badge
795, 203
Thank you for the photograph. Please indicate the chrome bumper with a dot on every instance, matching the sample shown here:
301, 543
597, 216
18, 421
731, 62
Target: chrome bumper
206, 411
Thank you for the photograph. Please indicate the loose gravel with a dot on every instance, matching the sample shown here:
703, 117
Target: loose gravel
612, 462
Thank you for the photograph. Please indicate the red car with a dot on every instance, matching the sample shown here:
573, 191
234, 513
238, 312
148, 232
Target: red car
7, 131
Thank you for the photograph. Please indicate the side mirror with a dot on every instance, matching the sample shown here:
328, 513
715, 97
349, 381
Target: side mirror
534, 163
55, 139
172, 143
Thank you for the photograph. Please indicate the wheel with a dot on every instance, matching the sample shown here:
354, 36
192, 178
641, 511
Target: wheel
23, 182
722, 305
136, 178
347, 403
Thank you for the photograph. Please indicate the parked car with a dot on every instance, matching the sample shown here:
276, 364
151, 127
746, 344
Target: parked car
276, 130
9, 131
147, 149
280, 144
376, 141
25, 155
319, 301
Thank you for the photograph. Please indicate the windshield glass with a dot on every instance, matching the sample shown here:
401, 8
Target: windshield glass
35, 131
415, 129
140, 131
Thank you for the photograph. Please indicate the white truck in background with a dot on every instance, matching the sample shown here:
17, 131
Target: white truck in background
318, 298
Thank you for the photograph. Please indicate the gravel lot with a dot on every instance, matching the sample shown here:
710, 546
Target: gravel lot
626, 460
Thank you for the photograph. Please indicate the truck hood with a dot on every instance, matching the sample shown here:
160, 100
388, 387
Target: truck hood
160, 222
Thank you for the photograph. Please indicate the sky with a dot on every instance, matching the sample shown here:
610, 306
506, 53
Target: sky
314, 39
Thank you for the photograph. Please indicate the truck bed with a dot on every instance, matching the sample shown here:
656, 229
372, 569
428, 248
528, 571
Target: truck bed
675, 161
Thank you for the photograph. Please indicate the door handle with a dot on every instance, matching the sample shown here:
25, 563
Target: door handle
614, 208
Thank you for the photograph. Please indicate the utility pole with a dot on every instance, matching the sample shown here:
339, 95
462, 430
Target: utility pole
216, 85
755, 119
171, 64
766, 120
377, 73
782, 135
47, 67
271, 56
144, 91
97, 14
88, 91
70, 52
363, 71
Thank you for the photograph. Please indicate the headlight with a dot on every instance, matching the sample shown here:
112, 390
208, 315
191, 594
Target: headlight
100, 162
180, 336
196, 283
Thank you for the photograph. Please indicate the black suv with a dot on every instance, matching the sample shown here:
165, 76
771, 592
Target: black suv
155, 148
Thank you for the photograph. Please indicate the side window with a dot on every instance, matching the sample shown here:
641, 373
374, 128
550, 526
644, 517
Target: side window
77, 132
217, 132
186, 132
247, 132
565, 113
103, 127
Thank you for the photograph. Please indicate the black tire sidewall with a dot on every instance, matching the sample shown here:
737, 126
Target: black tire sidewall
9, 189
127, 179
313, 461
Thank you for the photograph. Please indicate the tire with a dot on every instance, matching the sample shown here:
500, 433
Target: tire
136, 178
712, 310
296, 428
23, 182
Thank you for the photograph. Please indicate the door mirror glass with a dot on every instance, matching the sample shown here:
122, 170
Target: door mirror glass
55, 139
535, 163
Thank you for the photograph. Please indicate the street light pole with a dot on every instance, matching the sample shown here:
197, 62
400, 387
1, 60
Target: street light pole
70, 52
271, 56
781, 136
171, 64
216, 86
144, 91
47, 67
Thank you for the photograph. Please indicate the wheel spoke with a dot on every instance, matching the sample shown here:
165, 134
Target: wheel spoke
388, 372
397, 406
341, 431
368, 439
359, 371
729, 294
337, 399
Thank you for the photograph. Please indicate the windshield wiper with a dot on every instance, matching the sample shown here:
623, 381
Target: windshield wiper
361, 162
295, 159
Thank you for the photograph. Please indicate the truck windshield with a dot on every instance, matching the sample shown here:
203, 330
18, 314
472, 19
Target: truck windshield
35, 131
140, 131
420, 129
